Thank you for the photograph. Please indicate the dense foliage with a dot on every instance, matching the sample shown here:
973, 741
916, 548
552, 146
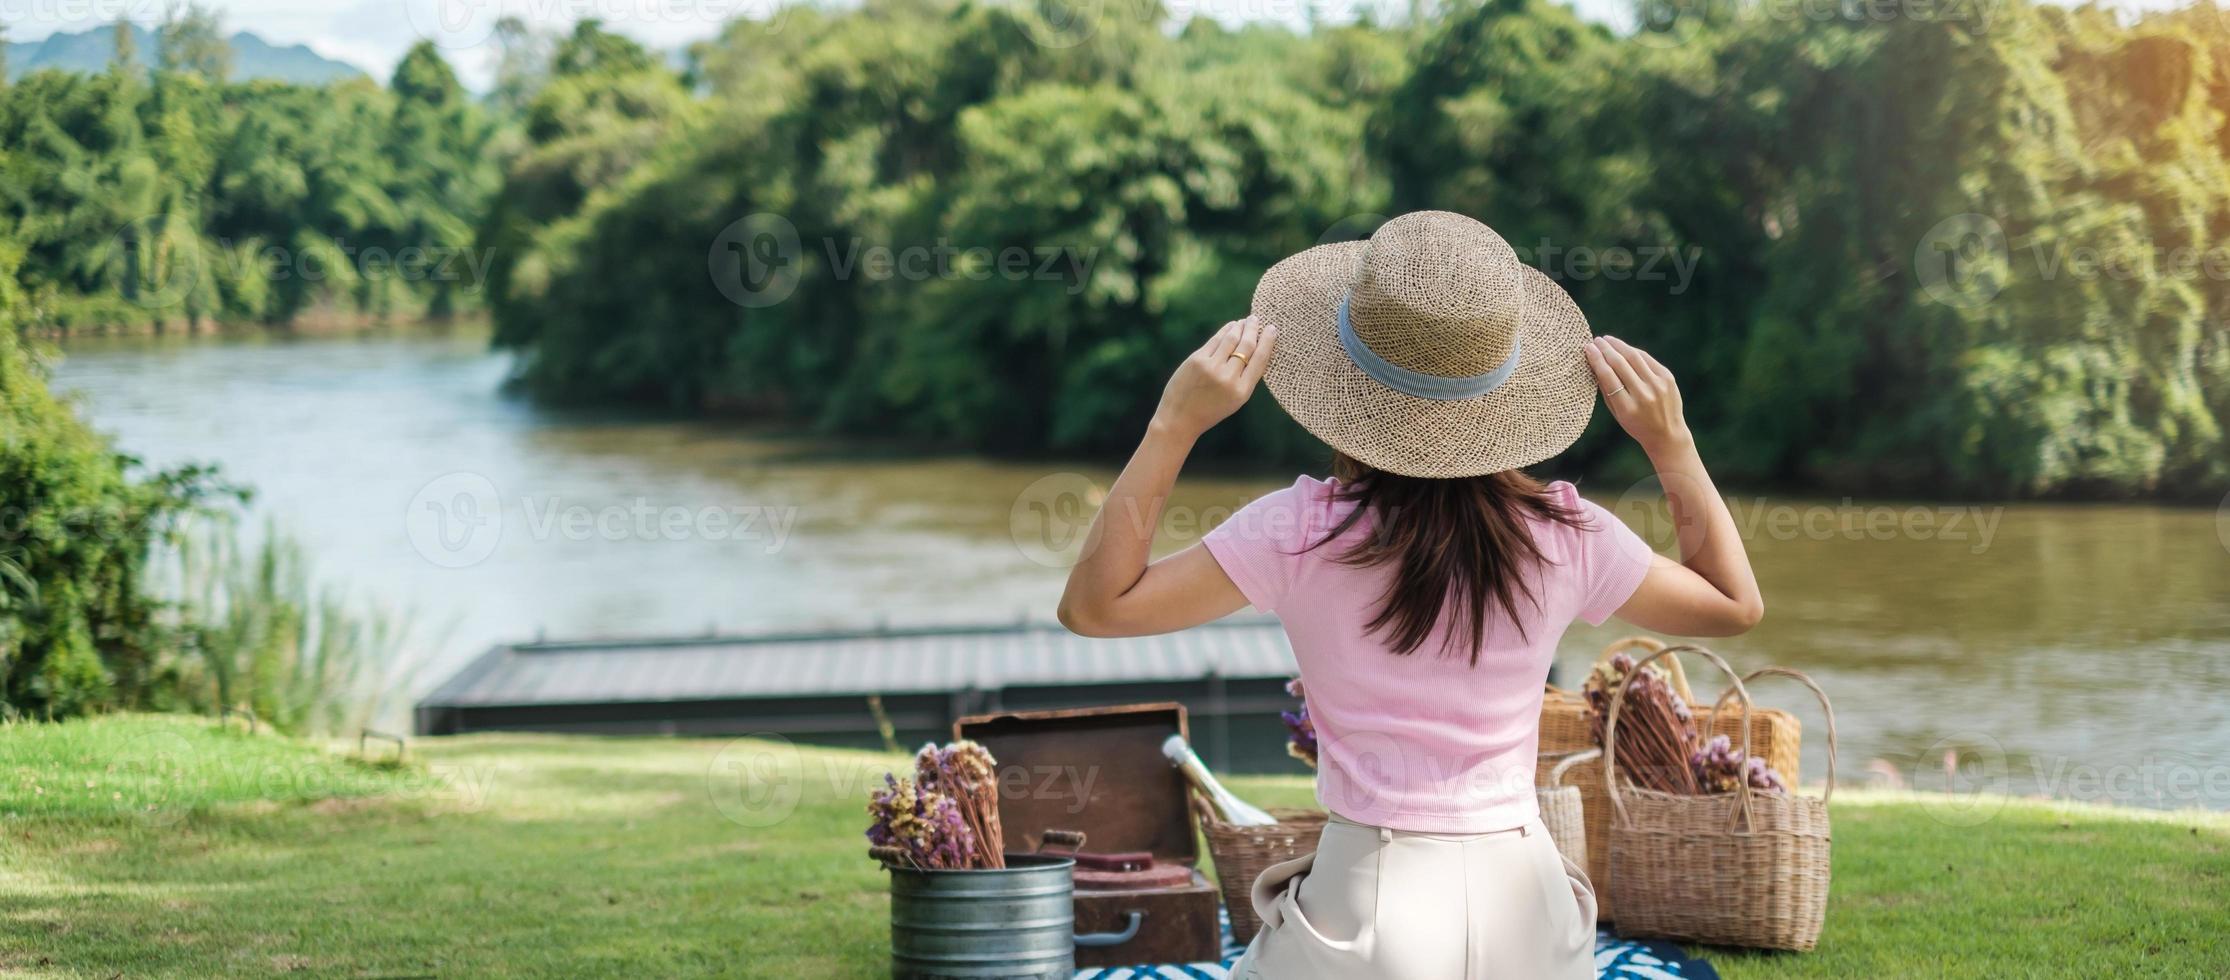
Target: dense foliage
171, 198
1946, 249
112, 596
1941, 254
77, 625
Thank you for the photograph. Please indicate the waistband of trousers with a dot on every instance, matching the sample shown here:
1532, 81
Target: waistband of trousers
1529, 828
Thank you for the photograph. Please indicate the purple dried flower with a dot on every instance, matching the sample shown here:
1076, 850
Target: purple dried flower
1300, 729
1722, 768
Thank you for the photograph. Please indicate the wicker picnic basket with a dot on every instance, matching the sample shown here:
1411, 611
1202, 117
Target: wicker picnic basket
1564, 810
1243, 853
1566, 729
1734, 869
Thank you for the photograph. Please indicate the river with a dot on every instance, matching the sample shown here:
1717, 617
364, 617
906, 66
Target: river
2077, 651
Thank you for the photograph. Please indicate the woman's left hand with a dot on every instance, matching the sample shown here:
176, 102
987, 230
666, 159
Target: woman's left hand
1216, 379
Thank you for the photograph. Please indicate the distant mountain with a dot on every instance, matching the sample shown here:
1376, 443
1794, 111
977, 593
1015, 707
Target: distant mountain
252, 56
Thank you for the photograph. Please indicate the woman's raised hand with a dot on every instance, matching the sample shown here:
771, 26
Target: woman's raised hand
1216, 379
1641, 394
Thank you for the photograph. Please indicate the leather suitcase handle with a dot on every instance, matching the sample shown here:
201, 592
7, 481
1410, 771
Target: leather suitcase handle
1132, 920
1127, 861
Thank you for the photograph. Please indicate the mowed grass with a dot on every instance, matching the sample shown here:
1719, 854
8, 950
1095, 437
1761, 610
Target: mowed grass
503, 856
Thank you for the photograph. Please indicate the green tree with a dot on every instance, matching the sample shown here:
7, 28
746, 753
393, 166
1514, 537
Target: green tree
124, 52
191, 39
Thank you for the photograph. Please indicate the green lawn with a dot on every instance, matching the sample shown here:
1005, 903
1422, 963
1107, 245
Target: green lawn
166, 847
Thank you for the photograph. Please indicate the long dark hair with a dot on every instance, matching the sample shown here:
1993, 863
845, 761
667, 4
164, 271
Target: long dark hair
1456, 545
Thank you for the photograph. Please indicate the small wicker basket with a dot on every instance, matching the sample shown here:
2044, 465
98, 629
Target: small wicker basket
1565, 729
1243, 853
1732, 869
1564, 811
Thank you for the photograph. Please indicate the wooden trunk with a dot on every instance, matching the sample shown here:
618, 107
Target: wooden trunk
1101, 772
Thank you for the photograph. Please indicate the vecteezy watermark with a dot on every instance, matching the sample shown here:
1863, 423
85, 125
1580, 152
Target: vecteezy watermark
1675, 264
1051, 518
756, 261
1974, 779
1966, 260
1665, 23
1564, 262
460, 24
758, 780
159, 261
2222, 523
1971, 526
2161, 780
1962, 261
457, 519
76, 13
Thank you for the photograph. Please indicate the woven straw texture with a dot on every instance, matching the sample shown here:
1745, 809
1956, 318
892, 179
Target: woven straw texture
1438, 293
1731, 869
1564, 809
1243, 853
1565, 730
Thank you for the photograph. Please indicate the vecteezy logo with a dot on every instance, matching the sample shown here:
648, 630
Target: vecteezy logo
1061, 23
150, 770
1976, 780
2222, 522
456, 520
754, 261
1963, 260
1052, 517
756, 781
1661, 23
156, 261
454, 24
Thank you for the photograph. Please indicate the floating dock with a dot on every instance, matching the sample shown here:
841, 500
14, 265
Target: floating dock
843, 688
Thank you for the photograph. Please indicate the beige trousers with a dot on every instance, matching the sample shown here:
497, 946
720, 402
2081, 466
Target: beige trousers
1377, 904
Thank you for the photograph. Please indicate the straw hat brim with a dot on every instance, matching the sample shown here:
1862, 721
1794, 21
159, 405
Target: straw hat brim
1538, 413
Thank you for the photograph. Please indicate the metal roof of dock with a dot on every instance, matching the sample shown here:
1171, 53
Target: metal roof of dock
926, 660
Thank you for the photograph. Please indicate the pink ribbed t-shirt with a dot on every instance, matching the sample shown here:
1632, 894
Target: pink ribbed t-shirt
1425, 743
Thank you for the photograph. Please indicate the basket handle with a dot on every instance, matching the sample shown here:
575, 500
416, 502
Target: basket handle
1618, 699
1061, 843
1649, 646
1825, 706
1556, 775
893, 857
1203, 810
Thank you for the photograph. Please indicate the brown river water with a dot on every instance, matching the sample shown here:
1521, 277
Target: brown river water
2077, 651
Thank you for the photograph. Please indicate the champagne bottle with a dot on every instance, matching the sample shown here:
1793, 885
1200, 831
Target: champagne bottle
1229, 808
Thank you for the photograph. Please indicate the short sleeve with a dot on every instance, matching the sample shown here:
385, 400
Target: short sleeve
1610, 558
1263, 546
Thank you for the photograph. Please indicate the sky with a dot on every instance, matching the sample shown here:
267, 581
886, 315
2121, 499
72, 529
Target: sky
373, 34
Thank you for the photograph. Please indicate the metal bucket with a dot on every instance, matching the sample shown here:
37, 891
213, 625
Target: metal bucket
1015, 922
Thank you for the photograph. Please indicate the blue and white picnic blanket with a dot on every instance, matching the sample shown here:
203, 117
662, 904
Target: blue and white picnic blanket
1615, 959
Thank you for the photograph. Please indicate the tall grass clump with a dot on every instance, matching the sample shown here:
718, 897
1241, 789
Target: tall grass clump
255, 629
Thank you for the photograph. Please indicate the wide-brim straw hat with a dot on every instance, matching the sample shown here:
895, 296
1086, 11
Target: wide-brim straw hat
1457, 360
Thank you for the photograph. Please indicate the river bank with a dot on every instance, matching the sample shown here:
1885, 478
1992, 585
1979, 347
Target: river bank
2073, 649
311, 323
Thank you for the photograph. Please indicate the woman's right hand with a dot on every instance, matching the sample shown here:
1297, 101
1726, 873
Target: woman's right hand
1641, 394
1217, 379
